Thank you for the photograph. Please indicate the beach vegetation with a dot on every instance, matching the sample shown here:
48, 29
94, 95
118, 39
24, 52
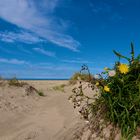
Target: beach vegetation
80, 76
15, 82
60, 87
1, 81
40, 93
118, 102
1, 78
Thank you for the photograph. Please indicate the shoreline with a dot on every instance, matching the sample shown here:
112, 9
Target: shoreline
37, 79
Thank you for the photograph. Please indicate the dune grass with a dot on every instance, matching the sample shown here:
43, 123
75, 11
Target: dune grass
15, 82
40, 93
60, 87
80, 76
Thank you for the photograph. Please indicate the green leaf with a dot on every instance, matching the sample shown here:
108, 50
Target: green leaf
132, 52
121, 56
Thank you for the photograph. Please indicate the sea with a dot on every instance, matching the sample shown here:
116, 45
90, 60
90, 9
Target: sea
35, 79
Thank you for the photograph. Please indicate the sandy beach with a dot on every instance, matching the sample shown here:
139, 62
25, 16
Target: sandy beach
32, 117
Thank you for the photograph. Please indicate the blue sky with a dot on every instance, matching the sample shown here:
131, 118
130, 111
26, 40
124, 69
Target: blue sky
53, 38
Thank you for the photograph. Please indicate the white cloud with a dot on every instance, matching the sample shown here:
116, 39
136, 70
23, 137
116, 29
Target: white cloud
54, 68
42, 51
37, 17
12, 61
77, 61
22, 36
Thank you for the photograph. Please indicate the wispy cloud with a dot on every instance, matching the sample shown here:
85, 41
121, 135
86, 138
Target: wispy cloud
100, 7
28, 15
12, 61
4, 49
22, 36
42, 51
77, 61
23, 49
53, 68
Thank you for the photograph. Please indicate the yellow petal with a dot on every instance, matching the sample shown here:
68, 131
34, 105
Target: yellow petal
97, 84
123, 68
106, 88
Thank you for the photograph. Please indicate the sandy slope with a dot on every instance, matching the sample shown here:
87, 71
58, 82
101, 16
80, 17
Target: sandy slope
32, 117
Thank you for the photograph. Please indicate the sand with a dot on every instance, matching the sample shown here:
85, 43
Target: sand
32, 117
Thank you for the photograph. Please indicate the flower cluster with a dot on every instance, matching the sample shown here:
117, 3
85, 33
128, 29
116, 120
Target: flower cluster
120, 69
120, 89
119, 98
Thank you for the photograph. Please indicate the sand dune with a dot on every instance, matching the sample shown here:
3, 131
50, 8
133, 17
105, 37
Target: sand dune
31, 117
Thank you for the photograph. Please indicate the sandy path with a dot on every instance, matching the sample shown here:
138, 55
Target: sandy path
52, 119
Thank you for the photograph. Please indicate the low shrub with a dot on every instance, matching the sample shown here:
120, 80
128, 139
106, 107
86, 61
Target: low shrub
30, 90
15, 82
80, 76
40, 93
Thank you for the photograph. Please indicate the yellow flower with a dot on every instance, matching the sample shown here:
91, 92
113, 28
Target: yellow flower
97, 84
106, 88
123, 68
106, 69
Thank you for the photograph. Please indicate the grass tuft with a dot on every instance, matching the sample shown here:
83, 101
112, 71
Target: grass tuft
40, 93
15, 82
59, 88
82, 76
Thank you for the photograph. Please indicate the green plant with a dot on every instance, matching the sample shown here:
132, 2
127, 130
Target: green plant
1, 81
119, 100
1, 78
40, 93
15, 82
82, 76
60, 87
123, 97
